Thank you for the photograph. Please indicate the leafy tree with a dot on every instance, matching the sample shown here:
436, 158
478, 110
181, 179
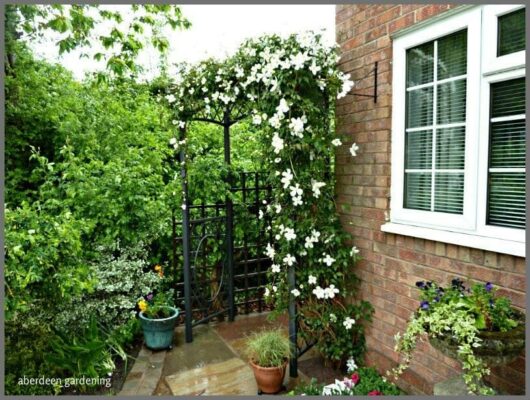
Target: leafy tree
78, 25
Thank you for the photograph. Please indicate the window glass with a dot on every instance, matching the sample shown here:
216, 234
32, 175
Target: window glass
435, 125
506, 183
511, 33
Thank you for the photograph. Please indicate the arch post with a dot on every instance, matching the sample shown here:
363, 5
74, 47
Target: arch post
229, 222
186, 241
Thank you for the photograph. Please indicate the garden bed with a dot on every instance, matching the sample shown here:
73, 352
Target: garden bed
118, 376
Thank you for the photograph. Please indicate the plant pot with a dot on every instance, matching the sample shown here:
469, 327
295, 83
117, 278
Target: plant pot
269, 379
496, 348
158, 332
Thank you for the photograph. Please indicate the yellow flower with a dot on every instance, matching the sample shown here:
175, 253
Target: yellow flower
158, 268
142, 304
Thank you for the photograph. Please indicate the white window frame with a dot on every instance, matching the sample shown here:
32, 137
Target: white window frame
468, 229
490, 62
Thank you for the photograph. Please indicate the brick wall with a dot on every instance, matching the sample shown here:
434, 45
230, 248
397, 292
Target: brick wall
393, 263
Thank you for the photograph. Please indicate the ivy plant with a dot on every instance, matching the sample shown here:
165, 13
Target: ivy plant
461, 313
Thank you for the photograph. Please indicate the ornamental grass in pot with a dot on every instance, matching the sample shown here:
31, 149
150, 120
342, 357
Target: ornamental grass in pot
268, 352
469, 323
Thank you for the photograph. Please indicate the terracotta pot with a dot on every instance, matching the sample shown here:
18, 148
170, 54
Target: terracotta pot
497, 348
269, 379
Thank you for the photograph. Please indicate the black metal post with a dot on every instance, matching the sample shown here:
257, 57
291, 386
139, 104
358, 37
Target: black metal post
229, 224
293, 331
186, 241
375, 82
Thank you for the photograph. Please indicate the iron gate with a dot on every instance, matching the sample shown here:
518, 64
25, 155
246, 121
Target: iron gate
224, 266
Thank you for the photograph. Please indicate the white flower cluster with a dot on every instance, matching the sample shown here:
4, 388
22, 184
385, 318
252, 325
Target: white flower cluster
296, 195
277, 143
275, 268
296, 126
316, 186
347, 85
354, 251
327, 293
270, 252
348, 323
287, 177
289, 260
288, 233
310, 240
328, 260
350, 364
353, 149
176, 143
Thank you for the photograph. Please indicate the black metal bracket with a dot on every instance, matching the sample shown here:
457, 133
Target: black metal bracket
374, 95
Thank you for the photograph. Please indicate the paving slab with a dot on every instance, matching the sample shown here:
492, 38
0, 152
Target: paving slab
229, 377
206, 348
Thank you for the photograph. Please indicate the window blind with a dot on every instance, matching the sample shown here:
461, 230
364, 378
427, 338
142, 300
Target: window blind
506, 183
435, 125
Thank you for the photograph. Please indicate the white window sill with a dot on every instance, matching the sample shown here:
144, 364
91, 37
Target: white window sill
461, 239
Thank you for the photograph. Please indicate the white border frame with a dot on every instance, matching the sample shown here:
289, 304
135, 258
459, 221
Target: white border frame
470, 20
490, 62
482, 228
469, 229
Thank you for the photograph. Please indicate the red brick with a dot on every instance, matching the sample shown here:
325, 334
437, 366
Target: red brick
392, 264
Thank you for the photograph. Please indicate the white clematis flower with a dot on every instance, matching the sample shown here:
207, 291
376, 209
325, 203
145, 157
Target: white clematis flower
336, 142
316, 186
297, 127
328, 260
277, 143
289, 260
283, 107
348, 323
354, 251
353, 149
289, 234
270, 252
287, 177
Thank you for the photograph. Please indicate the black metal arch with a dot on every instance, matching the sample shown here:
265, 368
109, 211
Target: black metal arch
226, 122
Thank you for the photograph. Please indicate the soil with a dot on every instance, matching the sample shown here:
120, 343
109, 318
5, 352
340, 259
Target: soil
118, 376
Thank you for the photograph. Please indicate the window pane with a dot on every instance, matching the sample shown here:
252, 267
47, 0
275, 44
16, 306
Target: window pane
506, 206
419, 107
508, 98
418, 152
506, 196
508, 144
511, 32
418, 191
420, 61
451, 100
452, 55
450, 148
449, 192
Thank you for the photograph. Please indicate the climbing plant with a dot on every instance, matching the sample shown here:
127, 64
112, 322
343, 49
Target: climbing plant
287, 86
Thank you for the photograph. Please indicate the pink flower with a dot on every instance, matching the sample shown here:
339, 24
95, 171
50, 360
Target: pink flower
375, 393
355, 378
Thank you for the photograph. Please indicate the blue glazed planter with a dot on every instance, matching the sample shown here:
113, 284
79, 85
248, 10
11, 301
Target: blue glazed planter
158, 333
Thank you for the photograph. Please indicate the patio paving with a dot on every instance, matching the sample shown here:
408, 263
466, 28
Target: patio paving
214, 363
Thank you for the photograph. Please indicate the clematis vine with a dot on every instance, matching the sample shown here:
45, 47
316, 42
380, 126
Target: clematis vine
287, 86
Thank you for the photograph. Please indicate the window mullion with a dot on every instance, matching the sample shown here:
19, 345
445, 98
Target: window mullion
434, 121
